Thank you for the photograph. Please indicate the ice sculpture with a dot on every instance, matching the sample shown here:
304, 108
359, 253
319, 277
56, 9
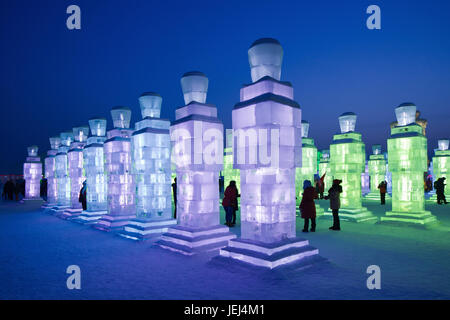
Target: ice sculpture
441, 166
407, 150
150, 144
348, 161
197, 136
96, 178
377, 172
324, 168
121, 186
32, 173
267, 118
76, 171
62, 173
55, 142
229, 173
309, 165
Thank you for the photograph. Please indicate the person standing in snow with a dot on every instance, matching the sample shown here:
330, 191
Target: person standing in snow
308, 207
229, 202
334, 194
43, 189
383, 188
82, 197
174, 191
439, 186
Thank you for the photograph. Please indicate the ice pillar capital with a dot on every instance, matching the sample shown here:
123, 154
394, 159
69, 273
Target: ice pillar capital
66, 138
81, 133
98, 126
150, 103
443, 144
265, 57
347, 122
376, 149
121, 117
33, 151
405, 114
195, 87
55, 142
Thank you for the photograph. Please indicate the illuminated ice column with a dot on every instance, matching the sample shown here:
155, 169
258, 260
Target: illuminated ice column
94, 167
121, 185
197, 137
348, 160
377, 172
324, 168
50, 167
150, 144
441, 166
267, 121
62, 173
229, 173
32, 173
76, 171
407, 150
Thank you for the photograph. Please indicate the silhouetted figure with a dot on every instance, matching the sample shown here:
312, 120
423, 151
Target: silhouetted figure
321, 185
383, 189
429, 184
9, 189
334, 194
18, 189
43, 189
229, 202
174, 190
439, 186
308, 207
82, 197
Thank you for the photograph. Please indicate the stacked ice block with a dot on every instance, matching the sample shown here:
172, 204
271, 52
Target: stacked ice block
62, 173
407, 149
76, 171
229, 173
267, 118
94, 167
324, 168
377, 172
55, 142
121, 185
152, 170
348, 160
197, 137
32, 173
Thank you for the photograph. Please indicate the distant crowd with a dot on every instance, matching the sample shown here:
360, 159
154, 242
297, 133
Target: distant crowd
12, 188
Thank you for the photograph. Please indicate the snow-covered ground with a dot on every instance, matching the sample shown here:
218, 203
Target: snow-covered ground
36, 248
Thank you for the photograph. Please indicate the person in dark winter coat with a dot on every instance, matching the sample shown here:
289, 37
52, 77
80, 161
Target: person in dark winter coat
439, 186
82, 197
334, 194
229, 202
383, 188
308, 207
174, 191
8, 189
43, 189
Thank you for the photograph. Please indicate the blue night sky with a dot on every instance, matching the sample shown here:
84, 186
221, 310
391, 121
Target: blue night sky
53, 79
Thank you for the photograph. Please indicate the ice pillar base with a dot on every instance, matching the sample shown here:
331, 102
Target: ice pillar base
70, 213
113, 223
353, 215
374, 195
419, 219
287, 252
190, 241
141, 229
89, 217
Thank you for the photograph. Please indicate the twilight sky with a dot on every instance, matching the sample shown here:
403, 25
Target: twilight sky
53, 79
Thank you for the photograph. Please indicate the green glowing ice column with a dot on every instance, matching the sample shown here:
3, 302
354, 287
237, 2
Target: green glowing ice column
309, 165
348, 160
377, 172
441, 166
324, 168
229, 172
407, 159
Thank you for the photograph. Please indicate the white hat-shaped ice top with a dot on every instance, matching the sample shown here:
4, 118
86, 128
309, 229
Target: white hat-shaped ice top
121, 117
265, 57
376, 149
443, 144
33, 151
66, 138
405, 114
195, 87
325, 154
347, 122
305, 128
98, 126
150, 103
81, 133
55, 142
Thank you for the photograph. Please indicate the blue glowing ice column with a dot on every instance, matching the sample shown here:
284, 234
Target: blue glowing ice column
407, 149
441, 166
197, 135
324, 168
62, 173
348, 159
267, 118
121, 185
55, 142
377, 172
76, 171
32, 173
94, 167
152, 169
